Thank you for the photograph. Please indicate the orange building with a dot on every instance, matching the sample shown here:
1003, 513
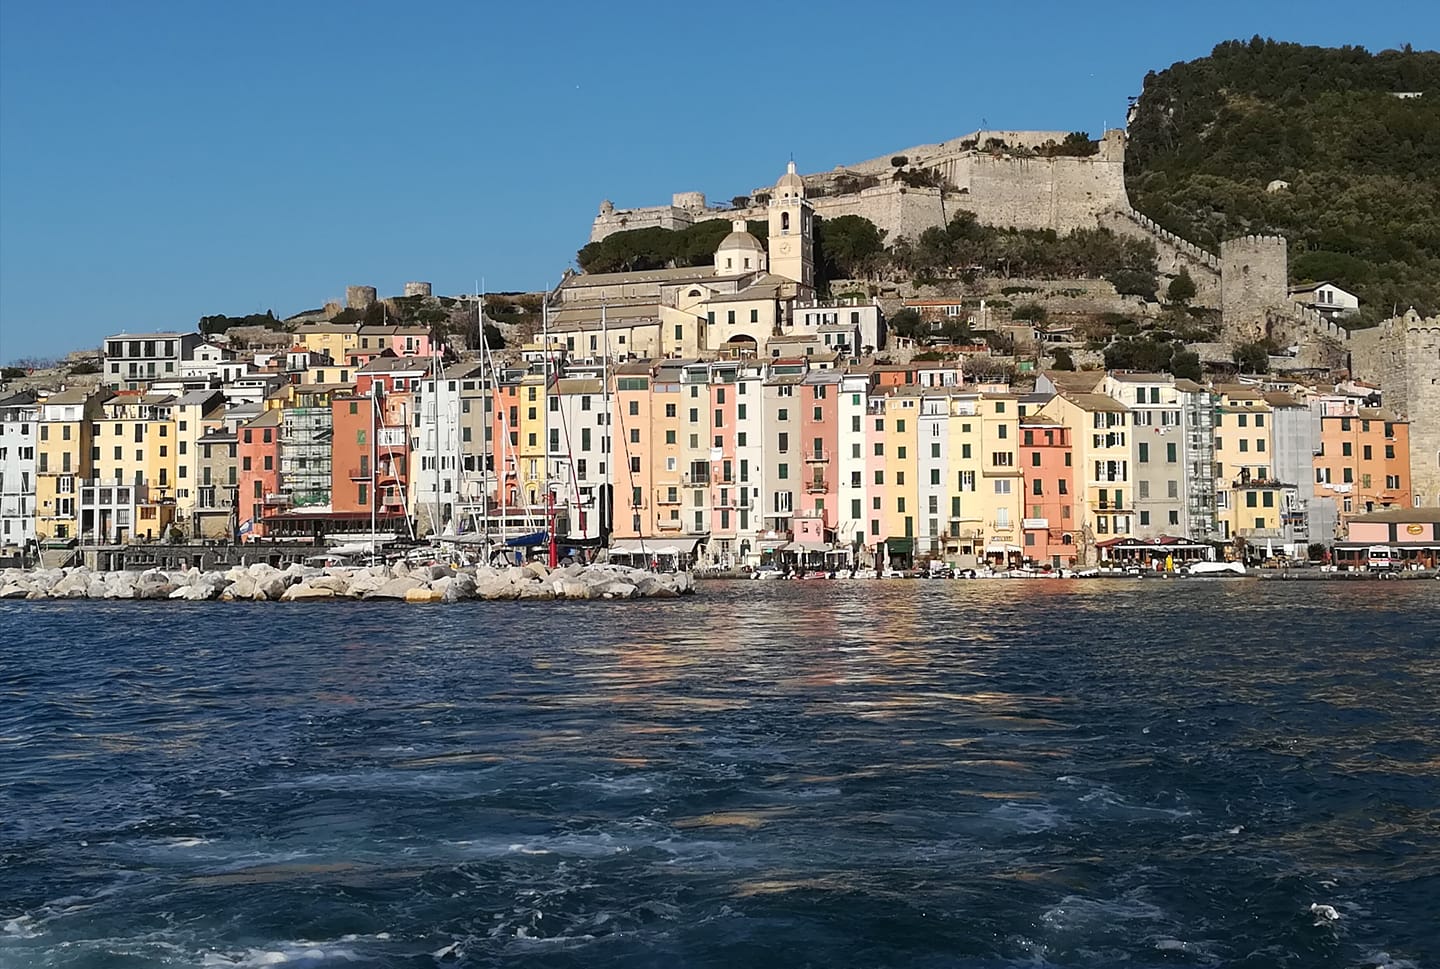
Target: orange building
370, 456
1364, 459
258, 452
1047, 459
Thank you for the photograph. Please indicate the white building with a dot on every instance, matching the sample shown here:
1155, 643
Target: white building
19, 419
436, 452
134, 360
750, 462
580, 448
1326, 298
850, 412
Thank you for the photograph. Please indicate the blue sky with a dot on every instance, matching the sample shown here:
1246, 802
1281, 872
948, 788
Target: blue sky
161, 161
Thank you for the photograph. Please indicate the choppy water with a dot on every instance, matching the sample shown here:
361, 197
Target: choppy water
795, 774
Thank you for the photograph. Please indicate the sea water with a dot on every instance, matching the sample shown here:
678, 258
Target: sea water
883, 773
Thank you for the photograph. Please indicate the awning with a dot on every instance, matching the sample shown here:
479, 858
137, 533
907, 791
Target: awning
1001, 548
899, 544
631, 546
806, 547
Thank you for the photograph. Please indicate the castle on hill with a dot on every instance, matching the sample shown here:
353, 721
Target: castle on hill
1013, 186
748, 302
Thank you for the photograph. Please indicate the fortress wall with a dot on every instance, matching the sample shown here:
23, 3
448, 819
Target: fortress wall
1172, 254
651, 217
1409, 371
1063, 194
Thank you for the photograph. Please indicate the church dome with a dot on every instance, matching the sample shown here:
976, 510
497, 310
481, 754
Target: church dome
790, 185
740, 239
739, 252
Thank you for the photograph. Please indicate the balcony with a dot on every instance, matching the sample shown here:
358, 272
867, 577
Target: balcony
1042, 524
668, 524
820, 456
695, 480
278, 499
816, 486
665, 498
1256, 483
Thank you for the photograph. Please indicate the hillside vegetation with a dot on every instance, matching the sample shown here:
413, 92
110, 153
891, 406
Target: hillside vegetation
1363, 203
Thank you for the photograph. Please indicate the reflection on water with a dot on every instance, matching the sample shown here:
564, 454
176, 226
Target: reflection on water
848, 773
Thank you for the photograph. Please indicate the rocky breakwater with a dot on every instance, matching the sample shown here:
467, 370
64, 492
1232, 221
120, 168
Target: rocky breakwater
299, 583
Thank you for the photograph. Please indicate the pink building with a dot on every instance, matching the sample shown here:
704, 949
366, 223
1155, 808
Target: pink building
724, 493
1047, 509
819, 442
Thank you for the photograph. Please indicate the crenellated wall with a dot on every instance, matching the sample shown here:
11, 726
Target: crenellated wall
1254, 284
1408, 361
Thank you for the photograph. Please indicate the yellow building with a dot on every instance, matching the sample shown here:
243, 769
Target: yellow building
131, 493
896, 482
530, 452
63, 460
1100, 435
1002, 489
968, 510
1249, 499
335, 340
194, 414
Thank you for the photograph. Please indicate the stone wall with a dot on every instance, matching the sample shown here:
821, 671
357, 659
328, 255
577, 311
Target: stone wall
1063, 193
1172, 253
1253, 284
1409, 372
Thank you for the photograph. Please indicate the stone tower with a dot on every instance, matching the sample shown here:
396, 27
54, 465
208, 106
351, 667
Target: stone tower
1254, 279
1410, 386
792, 231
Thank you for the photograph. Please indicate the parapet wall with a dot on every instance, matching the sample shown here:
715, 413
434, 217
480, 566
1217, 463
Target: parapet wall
1409, 373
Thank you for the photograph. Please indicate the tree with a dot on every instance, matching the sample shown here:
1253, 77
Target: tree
847, 247
1252, 357
1062, 358
1029, 312
1185, 364
906, 323
1181, 289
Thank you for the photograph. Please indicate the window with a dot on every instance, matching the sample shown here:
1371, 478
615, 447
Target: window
1002, 486
1037, 487
1144, 453
1170, 453
782, 471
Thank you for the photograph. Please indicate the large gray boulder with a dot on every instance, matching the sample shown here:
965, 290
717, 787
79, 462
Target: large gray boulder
458, 589
395, 588
272, 586
243, 588
338, 584
305, 591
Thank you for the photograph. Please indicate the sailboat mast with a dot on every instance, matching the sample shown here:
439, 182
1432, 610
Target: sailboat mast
435, 430
607, 492
374, 454
545, 426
